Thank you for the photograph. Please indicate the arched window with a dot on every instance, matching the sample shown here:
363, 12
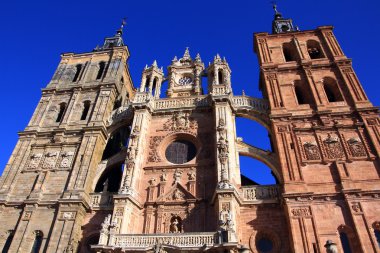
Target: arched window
288, 52
377, 235
147, 82
332, 90
110, 180
220, 76
77, 73
102, 65
38, 236
8, 242
314, 49
154, 86
86, 108
62, 109
345, 242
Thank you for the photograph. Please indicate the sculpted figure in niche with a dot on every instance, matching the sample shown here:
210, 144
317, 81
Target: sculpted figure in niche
175, 225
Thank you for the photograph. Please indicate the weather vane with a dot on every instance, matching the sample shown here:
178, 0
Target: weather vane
274, 4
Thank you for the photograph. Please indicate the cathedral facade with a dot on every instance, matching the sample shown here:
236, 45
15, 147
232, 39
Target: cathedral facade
104, 166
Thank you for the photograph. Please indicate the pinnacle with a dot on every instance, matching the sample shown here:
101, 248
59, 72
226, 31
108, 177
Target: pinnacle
186, 55
154, 63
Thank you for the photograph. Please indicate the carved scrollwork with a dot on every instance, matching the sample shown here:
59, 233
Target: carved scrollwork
311, 151
333, 147
153, 149
298, 212
356, 147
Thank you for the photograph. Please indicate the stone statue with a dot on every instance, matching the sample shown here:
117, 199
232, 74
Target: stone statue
174, 226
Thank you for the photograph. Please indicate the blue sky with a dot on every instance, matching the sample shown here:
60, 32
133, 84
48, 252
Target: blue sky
34, 33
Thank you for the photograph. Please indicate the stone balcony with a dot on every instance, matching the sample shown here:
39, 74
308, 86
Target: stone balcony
174, 242
101, 200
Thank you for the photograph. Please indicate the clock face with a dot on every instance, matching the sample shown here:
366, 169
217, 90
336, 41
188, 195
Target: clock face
186, 80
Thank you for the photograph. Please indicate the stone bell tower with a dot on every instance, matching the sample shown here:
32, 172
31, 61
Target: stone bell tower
326, 136
44, 188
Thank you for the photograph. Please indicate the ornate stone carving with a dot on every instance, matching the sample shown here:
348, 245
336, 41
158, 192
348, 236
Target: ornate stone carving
304, 211
177, 176
67, 215
180, 121
119, 212
34, 161
163, 177
153, 148
106, 224
71, 246
253, 193
66, 159
311, 151
178, 195
333, 147
223, 151
192, 175
27, 215
356, 207
356, 147
225, 218
50, 160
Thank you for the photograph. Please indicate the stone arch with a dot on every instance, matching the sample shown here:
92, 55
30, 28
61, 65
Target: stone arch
257, 117
268, 158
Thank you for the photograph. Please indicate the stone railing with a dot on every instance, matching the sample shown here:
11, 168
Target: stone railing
260, 192
170, 103
257, 104
101, 200
182, 240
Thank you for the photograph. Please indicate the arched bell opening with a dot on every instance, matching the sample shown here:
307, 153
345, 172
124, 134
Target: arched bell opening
110, 179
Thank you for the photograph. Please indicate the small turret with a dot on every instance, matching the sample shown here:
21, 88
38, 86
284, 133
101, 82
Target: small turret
219, 74
151, 80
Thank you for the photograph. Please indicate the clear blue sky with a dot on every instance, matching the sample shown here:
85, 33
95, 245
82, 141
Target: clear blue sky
34, 33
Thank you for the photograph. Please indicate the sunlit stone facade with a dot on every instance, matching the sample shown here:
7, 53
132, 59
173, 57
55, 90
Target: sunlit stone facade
104, 166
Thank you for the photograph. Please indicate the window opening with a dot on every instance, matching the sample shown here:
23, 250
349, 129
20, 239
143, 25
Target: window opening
180, 151
377, 235
77, 73
86, 108
37, 242
220, 77
62, 108
101, 70
345, 242
8, 242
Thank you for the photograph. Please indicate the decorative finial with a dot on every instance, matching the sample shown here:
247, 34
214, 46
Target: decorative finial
154, 63
175, 59
146, 66
186, 55
198, 58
